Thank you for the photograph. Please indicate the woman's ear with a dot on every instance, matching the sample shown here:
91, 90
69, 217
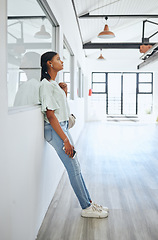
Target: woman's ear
49, 63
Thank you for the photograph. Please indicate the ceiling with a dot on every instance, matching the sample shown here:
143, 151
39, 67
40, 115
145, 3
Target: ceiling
126, 29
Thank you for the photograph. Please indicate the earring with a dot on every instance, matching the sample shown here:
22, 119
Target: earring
51, 65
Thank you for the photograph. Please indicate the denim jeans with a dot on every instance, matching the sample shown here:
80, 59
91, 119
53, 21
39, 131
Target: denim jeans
72, 165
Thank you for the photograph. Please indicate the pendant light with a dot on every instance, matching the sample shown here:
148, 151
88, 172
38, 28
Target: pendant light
106, 33
42, 34
101, 56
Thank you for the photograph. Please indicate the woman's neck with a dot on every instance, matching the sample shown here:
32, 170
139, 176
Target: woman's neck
52, 74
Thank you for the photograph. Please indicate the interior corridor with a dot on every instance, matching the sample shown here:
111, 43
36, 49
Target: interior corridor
120, 167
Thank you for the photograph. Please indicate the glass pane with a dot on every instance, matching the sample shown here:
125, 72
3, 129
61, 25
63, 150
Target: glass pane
129, 93
144, 103
98, 77
77, 78
28, 38
145, 88
66, 59
68, 87
66, 77
145, 77
99, 87
67, 67
82, 85
114, 93
98, 105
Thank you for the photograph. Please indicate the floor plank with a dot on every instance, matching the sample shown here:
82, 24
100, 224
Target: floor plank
119, 163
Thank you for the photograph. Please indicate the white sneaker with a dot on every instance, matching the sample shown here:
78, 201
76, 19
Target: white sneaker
100, 207
94, 212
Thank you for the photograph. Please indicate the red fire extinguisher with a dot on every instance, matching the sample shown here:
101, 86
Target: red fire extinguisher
90, 92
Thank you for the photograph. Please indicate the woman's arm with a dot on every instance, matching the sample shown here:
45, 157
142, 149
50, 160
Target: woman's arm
56, 126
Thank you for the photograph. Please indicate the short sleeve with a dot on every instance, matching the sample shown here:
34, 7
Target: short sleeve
46, 97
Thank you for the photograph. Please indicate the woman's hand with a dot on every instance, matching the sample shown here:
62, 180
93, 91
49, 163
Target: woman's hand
68, 148
56, 126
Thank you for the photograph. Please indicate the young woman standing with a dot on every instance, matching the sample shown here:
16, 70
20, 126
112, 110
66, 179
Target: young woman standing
56, 112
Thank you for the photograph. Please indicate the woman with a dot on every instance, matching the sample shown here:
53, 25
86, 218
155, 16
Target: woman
55, 108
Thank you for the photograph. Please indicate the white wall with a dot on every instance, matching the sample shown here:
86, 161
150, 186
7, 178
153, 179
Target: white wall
29, 167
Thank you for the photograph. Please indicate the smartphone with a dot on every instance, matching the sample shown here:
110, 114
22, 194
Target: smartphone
74, 153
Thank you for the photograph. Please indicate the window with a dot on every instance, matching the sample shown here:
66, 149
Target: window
78, 75
98, 77
126, 93
30, 34
79, 82
98, 83
66, 79
145, 83
67, 68
145, 91
82, 85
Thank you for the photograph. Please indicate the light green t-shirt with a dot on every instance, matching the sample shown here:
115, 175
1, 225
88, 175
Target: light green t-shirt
52, 97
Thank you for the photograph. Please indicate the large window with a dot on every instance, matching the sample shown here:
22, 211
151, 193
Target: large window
125, 93
30, 34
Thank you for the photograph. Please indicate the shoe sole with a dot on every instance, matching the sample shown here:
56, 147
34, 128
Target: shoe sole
94, 217
85, 216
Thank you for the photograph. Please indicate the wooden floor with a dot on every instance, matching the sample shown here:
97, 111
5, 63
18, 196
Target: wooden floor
119, 163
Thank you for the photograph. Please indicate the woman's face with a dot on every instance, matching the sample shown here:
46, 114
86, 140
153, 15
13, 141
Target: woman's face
57, 63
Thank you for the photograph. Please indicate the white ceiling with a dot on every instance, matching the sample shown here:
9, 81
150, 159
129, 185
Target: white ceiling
125, 29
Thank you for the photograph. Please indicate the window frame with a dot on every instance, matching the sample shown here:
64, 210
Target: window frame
122, 73
50, 16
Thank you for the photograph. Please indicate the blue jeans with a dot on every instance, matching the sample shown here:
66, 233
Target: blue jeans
72, 165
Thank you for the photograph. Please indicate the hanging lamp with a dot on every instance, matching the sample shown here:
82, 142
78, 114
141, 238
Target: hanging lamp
42, 34
106, 33
101, 56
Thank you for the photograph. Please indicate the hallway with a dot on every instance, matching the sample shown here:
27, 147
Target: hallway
119, 164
